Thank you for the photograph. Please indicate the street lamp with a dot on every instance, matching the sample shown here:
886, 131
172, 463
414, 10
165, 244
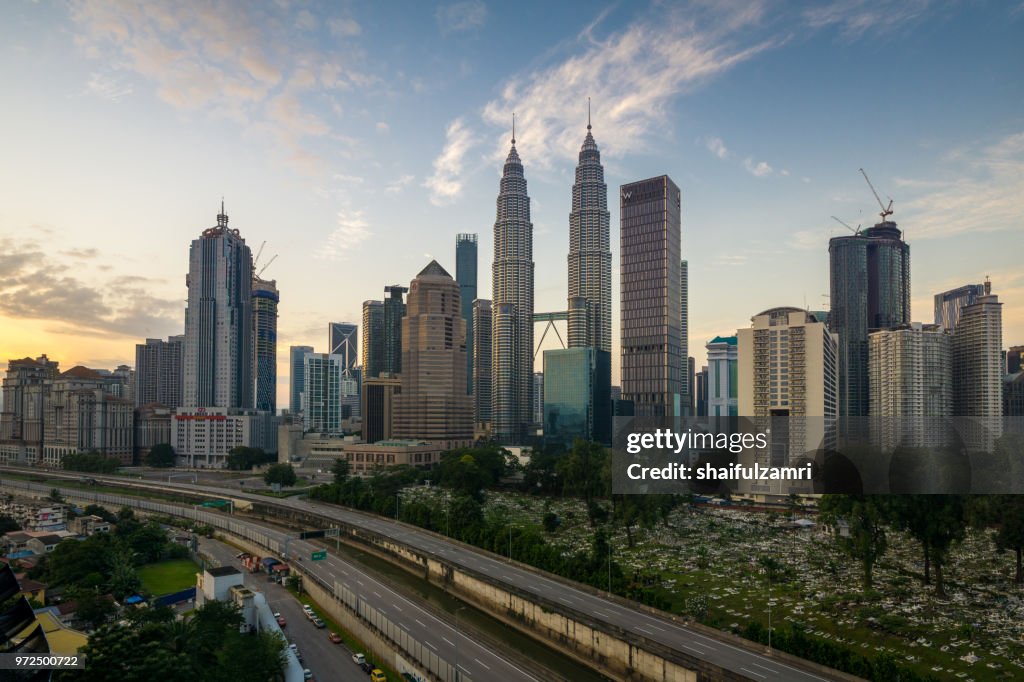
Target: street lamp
461, 608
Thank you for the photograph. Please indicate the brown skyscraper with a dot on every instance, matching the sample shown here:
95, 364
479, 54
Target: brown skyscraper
433, 404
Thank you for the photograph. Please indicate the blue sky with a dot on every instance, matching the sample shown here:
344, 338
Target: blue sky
358, 139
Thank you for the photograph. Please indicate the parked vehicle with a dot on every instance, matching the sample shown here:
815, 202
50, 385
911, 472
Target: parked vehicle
319, 623
306, 674
281, 620
359, 659
334, 637
378, 676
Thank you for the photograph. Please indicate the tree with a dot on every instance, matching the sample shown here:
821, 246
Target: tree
282, 474
1006, 513
243, 458
937, 522
340, 470
581, 470
460, 472
160, 456
91, 607
55, 496
866, 518
551, 522
8, 525
124, 581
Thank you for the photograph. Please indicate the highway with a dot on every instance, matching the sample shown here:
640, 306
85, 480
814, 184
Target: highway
475, 661
742, 661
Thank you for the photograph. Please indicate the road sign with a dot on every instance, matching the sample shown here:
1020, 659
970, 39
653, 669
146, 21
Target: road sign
331, 532
319, 556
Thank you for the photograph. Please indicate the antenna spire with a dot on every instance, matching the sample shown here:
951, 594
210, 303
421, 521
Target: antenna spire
513, 127
588, 113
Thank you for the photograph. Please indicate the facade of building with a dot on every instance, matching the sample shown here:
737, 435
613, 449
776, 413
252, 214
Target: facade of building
466, 275
394, 311
378, 407
203, 436
365, 459
322, 395
650, 238
152, 427
700, 392
977, 358
218, 320
590, 256
1013, 359
1013, 395
82, 416
722, 378
869, 288
948, 304
538, 397
26, 385
343, 340
373, 338
265, 298
684, 336
512, 308
482, 349
159, 373
577, 395
910, 376
297, 376
433, 404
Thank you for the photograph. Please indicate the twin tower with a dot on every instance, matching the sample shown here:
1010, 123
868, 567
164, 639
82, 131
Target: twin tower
590, 289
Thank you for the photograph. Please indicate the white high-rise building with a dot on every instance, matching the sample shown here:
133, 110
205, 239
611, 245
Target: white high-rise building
978, 368
323, 393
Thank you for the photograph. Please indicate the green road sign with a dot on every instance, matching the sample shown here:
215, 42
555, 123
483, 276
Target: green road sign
216, 503
319, 556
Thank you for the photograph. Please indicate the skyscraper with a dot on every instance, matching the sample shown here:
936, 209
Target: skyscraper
482, 349
265, 298
650, 233
949, 303
869, 287
343, 340
590, 257
158, 371
433, 404
512, 280
684, 336
1013, 359
322, 393
394, 311
218, 320
723, 381
465, 275
977, 358
373, 338
378, 407
538, 397
297, 376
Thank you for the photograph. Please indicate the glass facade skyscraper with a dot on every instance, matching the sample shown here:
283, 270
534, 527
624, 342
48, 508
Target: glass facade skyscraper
650, 234
373, 338
297, 376
869, 287
948, 304
465, 275
265, 298
394, 311
577, 395
343, 340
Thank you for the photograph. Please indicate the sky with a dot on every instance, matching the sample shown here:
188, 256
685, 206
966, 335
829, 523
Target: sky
357, 140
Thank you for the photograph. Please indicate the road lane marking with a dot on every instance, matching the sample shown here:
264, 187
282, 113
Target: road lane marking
448, 640
482, 663
753, 673
431, 645
422, 624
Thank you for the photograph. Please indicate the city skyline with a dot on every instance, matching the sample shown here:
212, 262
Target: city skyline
105, 253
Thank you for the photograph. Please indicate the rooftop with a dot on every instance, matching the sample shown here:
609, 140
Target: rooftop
221, 571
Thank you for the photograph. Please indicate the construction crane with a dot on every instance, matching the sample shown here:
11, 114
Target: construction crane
272, 259
847, 226
886, 211
256, 260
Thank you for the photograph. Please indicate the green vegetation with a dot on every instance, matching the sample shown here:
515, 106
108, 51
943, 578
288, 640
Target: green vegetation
282, 474
243, 458
160, 456
92, 462
168, 576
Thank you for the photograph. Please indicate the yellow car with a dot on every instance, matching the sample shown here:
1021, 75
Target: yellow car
378, 676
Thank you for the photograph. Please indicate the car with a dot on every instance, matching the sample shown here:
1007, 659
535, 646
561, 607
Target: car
281, 621
319, 623
367, 667
378, 676
295, 650
306, 674
307, 608
334, 637
359, 659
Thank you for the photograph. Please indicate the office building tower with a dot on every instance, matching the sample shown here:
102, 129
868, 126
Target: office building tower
26, 386
1013, 359
650, 237
684, 336
910, 378
482, 349
159, 372
869, 288
323, 376
394, 311
590, 256
265, 298
700, 392
465, 275
378, 407
723, 356
577, 398
538, 398
512, 307
202, 437
373, 338
977, 358
690, 372
218, 320
297, 376
1013, 395
433, 404
343, 340
948, 304
788, 368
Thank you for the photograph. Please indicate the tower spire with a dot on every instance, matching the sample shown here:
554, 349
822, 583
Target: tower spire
588, 113
222, 218
513, 127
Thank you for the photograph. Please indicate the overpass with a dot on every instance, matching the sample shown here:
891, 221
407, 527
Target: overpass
623, 639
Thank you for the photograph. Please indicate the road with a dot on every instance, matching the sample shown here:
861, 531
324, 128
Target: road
326, 660
742, 661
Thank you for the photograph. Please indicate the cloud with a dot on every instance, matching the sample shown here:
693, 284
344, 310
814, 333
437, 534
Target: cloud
633, 77
854, 18
461, 16
398, 185
84, 254
344, 27
107, 87
35, 286
980, 192
446, 181
383, 127
717, 147
759, 169
351, 231
731, 259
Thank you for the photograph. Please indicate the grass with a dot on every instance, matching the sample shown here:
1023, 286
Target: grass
170, 576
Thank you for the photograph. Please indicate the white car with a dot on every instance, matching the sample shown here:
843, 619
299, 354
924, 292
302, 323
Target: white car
295, 650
